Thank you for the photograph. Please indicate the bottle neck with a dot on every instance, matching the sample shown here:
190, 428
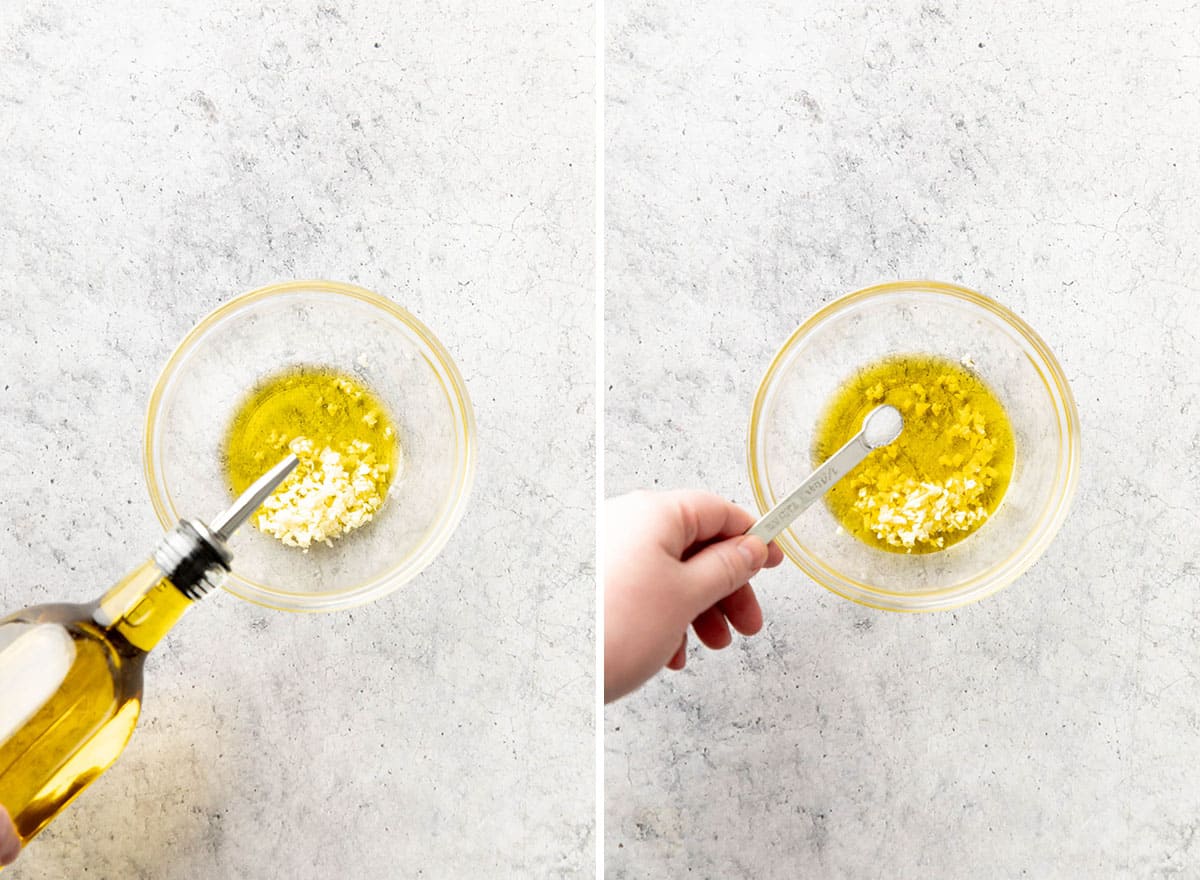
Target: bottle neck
142, 607
188, 563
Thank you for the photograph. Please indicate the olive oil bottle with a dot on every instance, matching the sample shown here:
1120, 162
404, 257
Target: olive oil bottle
71, 675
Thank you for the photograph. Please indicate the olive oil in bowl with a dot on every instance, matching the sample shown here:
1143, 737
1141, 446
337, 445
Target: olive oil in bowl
346, 442
943, 477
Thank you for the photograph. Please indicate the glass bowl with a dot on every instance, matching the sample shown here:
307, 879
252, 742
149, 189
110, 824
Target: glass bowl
918, 317
356, 332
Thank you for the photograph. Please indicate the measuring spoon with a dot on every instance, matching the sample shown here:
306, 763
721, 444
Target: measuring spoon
881, 427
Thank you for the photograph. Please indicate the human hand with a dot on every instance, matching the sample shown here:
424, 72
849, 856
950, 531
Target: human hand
10, 844
674, 559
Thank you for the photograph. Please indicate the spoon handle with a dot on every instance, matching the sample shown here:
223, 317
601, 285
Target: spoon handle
779, 517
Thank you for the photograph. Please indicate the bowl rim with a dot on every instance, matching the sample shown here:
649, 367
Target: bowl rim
1050, 519
424, 553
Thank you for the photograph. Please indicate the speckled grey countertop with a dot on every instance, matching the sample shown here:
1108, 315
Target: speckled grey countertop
764, 158
157, 162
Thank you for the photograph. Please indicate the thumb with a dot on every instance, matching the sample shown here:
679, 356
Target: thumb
10, 844
720, 569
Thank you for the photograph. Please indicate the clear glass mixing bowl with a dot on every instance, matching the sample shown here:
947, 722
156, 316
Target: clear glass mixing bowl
353, 331
918, 317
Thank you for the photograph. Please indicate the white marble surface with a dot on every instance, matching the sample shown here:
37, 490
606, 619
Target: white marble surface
765, 157
157, 161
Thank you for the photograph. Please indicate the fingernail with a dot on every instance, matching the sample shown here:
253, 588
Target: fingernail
753, 551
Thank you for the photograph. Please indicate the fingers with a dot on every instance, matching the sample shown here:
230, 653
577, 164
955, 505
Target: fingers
703, 516
742, 610
10, 844
720, 569
712, 630
679, 658
774, 555
739, 609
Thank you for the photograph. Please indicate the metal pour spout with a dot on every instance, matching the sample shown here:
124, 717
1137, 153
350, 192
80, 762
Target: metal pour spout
250, 500
194, 557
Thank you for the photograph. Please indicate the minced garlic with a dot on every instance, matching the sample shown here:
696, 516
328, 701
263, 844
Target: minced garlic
328, 495
346, 444
944, 476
